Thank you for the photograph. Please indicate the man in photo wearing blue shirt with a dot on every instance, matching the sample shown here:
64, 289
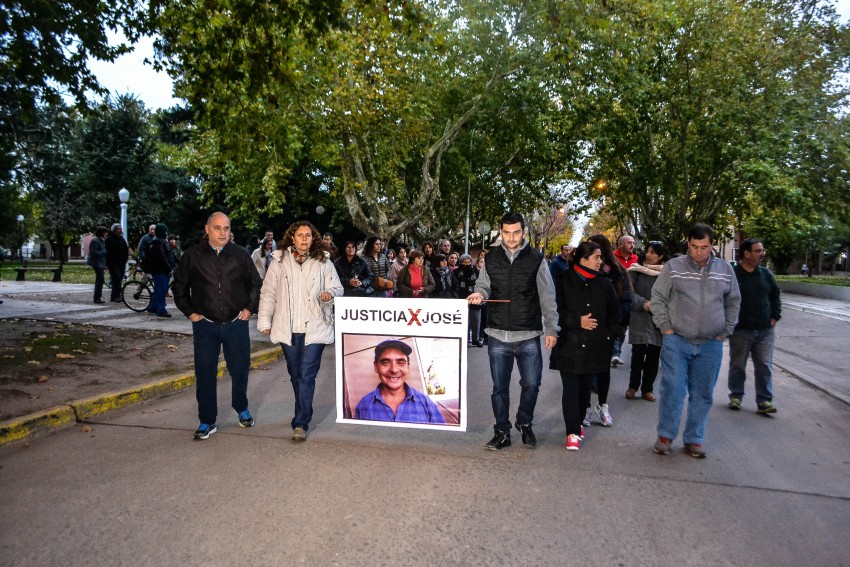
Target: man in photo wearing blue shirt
393, 399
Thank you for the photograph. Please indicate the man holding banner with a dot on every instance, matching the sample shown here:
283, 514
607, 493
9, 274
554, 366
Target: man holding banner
518, 288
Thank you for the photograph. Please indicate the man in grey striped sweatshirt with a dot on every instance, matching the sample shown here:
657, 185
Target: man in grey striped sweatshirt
695, 304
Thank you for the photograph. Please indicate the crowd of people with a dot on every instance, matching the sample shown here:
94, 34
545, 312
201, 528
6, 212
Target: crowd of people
677, 310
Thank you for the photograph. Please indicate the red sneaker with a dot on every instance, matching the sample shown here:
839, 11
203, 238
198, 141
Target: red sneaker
573, 442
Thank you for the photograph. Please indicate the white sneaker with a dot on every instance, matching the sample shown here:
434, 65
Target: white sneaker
588, 415
604, 415
616, 361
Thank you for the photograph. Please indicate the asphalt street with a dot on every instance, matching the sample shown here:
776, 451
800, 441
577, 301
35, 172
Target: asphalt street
135, 489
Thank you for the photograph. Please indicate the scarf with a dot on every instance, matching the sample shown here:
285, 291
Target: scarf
585, 272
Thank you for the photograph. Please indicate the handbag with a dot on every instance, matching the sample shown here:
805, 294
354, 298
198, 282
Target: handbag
384, 283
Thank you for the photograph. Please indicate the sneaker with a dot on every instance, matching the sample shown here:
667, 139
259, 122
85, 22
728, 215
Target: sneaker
205, 430
245, 419
766, 407
694, 450
588, 415
662, 446
604, 415
616, 361
299, 434
499, 441
528, 438
581, 429
734, 403
573, 442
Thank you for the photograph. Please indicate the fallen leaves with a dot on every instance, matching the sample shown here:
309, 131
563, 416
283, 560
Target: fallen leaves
64, 356
43, 378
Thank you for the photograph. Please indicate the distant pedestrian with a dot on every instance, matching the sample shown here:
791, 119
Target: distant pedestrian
695, 304
218, 288
415, 280
160, 264
560, 263
296, 310
97, 260
644, 336
144, 244
625, 252
754, 335
117, 255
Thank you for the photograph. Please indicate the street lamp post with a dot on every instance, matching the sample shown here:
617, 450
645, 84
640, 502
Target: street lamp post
124, 196
21, 228
483, 228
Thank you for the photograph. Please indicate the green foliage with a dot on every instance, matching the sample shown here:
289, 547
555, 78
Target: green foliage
690, 107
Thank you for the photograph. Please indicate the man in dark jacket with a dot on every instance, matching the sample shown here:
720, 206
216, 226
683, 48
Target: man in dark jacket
516, 279
218, 288
97, 260
761, 308
116, 260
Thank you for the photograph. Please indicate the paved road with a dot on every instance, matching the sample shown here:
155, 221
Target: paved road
136, 490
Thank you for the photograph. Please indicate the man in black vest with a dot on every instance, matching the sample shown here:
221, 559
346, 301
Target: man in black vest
518, 287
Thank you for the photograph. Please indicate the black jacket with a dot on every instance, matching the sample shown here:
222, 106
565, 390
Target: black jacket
579, 350
216, 285
116, 251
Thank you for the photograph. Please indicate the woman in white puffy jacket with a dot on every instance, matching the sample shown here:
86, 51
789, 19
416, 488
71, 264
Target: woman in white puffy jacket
296, 310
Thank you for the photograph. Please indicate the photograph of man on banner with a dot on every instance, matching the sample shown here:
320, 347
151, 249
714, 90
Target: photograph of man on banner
413, 380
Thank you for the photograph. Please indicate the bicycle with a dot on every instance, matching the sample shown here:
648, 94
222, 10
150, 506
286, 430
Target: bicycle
137, 294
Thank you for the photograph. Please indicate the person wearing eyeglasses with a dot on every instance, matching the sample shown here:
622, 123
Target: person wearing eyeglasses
754, 334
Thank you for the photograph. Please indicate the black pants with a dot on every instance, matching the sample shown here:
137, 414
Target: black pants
98, 284
644, 362
575, 399
116, 275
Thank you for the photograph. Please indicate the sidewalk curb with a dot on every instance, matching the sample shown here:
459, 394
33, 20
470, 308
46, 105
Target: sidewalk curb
79, 411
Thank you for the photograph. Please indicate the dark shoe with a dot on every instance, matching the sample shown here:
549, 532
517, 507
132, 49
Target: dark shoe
499, 441
205, 430
694, 450
480, 344
662, 446
115, 300
245, 419
99, 301
166, 314
734, 404
528, 438
648, 396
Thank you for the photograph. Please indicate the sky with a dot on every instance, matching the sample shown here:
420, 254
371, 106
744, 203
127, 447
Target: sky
129, 75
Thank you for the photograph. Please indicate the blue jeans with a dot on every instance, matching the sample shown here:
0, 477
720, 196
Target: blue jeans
209, 339
529, 359
692, 369
759, 344
302, 362
160, 288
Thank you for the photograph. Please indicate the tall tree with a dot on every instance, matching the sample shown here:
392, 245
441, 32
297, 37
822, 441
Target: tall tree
685, 102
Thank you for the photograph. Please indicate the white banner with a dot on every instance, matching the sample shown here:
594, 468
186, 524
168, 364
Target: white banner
401, 362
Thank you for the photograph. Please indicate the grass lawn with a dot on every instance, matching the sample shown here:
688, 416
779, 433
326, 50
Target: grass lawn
837, 280
74, 272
